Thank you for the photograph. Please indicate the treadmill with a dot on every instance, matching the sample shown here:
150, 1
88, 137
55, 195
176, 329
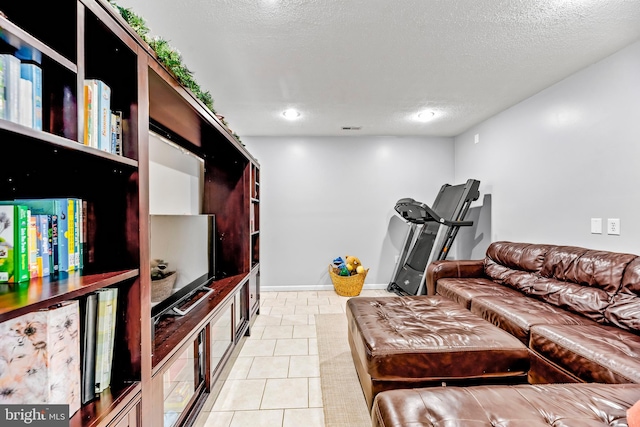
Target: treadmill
431, 233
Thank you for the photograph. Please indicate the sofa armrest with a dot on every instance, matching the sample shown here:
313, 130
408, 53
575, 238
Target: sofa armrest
454, 268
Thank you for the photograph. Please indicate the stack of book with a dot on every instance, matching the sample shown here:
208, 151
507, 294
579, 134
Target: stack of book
98, 313
102, 125
20, 91
40, 237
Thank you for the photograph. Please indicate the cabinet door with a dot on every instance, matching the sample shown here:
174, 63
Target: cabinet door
241, 310
254, 291
221, 339
130, 419
180, 383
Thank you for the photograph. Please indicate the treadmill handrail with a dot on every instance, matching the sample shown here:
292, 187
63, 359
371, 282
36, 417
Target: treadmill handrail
431, 215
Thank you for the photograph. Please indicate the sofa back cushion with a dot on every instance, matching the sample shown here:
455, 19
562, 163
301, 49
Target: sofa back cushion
515, 256
514, 264
624, 310
586, 267
577, 279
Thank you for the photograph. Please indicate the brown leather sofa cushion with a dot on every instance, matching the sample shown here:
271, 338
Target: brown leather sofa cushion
596, 269
593, 353
624, 310
522, 406
577, 279
450, 269
515, 256
430, 338
517, 315
463, 291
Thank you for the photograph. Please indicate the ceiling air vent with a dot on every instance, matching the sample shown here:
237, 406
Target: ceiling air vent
351, 127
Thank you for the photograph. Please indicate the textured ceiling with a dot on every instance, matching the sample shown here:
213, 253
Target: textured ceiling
376, 63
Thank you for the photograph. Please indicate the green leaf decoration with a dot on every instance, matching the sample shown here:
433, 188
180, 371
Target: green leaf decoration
169, 57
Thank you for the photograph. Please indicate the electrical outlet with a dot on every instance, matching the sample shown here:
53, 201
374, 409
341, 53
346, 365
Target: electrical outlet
596, 225
613, 226
397, 258
476, 138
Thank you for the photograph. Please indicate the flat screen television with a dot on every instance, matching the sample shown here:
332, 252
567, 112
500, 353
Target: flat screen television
188, 244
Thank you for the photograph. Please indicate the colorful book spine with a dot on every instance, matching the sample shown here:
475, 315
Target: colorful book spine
14, 243
72, 233
3, 100
90, 231
102, 106
83, 232
43, 223
88, 109
54, 263
33, 245
25, 104
59, 207
110, 337
33, 73
77, 232
12, 87
116, 132
103, 336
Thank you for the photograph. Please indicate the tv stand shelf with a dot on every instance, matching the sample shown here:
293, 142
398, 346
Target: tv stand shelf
96, 412
169, 333
43, 292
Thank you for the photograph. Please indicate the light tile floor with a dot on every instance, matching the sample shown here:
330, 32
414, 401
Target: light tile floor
275, 381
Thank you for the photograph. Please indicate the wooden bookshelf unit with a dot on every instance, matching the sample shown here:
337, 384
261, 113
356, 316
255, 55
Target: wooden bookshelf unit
87, 39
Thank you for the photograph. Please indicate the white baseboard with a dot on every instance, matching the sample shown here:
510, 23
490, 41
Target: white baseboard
299, 288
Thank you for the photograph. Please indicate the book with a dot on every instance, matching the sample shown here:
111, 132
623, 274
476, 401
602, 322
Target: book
81, 208
54, 264
33, 245
59, 207
88, 118
43, 224
110, 337
25, 105
14, 245
90, 231
44, 367
101, 114
105, 327
33, 73
12, 87
88, 315
2, 88
116, 132
73, 228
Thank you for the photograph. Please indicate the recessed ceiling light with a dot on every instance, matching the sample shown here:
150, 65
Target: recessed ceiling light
425, 116
291, 114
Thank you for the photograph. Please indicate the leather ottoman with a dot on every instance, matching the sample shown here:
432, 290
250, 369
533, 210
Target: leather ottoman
521, 405
408, 342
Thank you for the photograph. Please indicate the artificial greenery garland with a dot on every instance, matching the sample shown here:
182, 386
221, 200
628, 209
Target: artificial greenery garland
170, 57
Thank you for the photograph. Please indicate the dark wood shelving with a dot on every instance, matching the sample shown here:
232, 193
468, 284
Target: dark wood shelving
93, 413
88, 39
167, 339
16, 131
42, 292
18, 38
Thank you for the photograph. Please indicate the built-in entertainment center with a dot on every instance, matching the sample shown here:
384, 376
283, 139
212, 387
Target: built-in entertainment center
183, 188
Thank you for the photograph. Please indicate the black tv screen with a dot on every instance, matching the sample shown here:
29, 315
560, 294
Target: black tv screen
187, 244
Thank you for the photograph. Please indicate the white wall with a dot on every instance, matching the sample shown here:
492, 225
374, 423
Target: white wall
323, 197
564, 156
